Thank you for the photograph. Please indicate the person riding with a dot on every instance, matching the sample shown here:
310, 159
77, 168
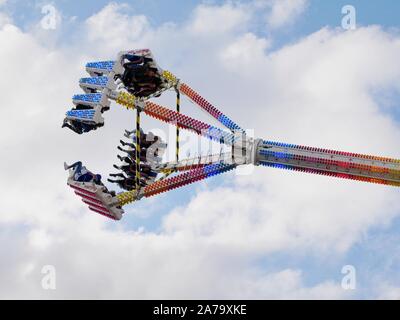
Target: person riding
130, 169
146, 139
82, 174
80, 126
126, 183
139, 76
131, 160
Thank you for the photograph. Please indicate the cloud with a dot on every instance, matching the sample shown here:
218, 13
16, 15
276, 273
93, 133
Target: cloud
210, 20
124, 25
316, 91
96, 263
245, 50
4, 19
389, 292
284, 12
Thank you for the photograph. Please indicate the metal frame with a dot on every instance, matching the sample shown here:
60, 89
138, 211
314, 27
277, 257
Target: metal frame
102, 88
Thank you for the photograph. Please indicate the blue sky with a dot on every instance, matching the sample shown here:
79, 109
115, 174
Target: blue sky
319, 14
375, 253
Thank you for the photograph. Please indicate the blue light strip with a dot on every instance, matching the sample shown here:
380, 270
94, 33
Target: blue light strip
217, 168
277, 165
97, 81
279, 155
218, 134
279, 144
101, 65
89, 97
81, 114
228, 123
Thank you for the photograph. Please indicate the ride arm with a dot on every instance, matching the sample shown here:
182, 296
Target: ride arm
332, 163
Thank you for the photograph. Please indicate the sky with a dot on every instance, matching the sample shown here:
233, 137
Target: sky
286, 69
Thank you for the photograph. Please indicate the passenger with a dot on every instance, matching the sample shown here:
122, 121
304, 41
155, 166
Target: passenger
130, 153
82, 107
133, 58
137, 73
128, 77
129, 169
127, 183
81, 174
124, 144
132, 134
132, 149
131, 160
78, 126
73, 125
146, 74
139, 77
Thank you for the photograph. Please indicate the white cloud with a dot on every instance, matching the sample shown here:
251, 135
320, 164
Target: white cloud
95, 263
389, 292
212, 20
4, 19
283, 12
317, 91
112, 25
245, 51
